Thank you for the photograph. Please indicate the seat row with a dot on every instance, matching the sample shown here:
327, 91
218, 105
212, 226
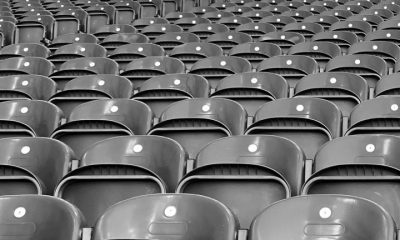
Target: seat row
186, 216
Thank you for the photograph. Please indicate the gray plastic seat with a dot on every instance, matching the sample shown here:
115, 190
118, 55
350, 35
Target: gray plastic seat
28, 118
216, 68
155, 30
39, 217
205, 30
278, 21
25, 65
97, 120
321, 52
83, 66
345, 90
142, 69
126, 53
170, 40
32, 165
348, 165
391, 24
31, 86
256, 30
69, 21
252, 89
258, 14
370, 67
98, 16
215, 16
88, 88
234, 170
316, 10
372, 19
227, 40
120, 168
160, 91
189, 53
255, 52
110, 29
233, 22
389, 85
307, 29
71, 38
195, 122
324, 216
114, 41
392, 36
186, 22
389, 52
292, 68
173, 16
76, 50
277, 10
187, 218
24, 50
310, 122
284, 40
141, 23
378, 115
360, 28
325, 21
297, 14
344, 39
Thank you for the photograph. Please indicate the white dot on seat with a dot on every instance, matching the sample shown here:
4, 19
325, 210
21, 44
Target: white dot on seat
370, 148
235, 20
336, 13
350, 25
239, 10
114, 109
26, 49
315, 48
205, 108
83, 49
92, 64
209, 28
219, 15
283, 36
257, 14
256, 27
375, 47
335, 36
26, 64
137, 148
321, 19
357, 61
77, 39
101, 82
24, 109
157, 63
193, 22
140, 49
376, 12
388, 35
364, 19
252, 148
178, 37
303, 27
25, 149
177, 81
257, 49
289, 62
332, 80
170, 211
204, 9
163, 29
300, 108
151, 21
394, 107
325, 212
180, 16
278, 19
230, 37
254, 80
222, 63
19, 212
297, 14
25, 83
198, 48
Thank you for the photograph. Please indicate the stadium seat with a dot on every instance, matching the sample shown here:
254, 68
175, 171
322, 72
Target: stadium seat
71, 38
278, 21
227, 40
24, 50
256, 15
255, 52
114, 41
160, 91
126, 12
70, 21
345, 217
31, 86
206, 30
325, 21
187, 22
389, 52
32, 165
107, 30
233, 22
343, 39
189, 53
233, 170
28, 118
7, 29
252, 89
214, 17
195, 122
76, 50
378, 115
373, 20
297, 14
83, 66
345, 90
388, 85
150, 8
384, 35
183, 215
142, 69
141, 23
88, 88
155, 30
39, 217
370, 67
310, 122
292, 68
360, 28
97, 120
25, 65
98, 16
216, 68
124, 54
284, 40
120, 168
170, 40
174, 16
256, 30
